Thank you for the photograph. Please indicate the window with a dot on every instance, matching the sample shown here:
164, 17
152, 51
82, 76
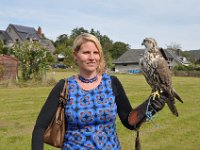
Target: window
124, 64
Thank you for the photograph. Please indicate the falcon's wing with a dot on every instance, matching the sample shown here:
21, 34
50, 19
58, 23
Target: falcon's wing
163, 53
163, 72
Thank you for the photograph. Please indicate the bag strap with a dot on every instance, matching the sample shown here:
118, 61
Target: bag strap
64, 93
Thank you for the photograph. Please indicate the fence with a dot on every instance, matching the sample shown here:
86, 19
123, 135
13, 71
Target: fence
187, 73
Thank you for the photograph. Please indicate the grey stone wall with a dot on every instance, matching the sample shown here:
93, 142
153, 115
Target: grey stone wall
127, 68
13, 34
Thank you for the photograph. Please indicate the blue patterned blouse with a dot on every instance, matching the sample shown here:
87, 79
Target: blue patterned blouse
91, 117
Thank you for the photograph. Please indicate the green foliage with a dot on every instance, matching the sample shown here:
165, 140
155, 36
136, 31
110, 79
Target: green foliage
106, 43
67, 52
118, 49
33, 59
49, 57
77, 31
109, 60
4, 50
1, 44
64, 40
197, 61
193, 56
184, 68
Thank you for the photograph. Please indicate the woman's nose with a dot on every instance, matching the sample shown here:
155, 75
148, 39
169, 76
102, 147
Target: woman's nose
91, 56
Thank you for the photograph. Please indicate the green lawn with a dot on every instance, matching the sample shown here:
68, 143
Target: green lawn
19, 108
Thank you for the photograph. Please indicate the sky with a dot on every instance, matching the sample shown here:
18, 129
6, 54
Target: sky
170, 22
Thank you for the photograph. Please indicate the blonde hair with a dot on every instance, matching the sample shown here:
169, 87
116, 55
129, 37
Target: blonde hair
85, 37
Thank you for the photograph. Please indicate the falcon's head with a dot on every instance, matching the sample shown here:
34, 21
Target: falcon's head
150, 44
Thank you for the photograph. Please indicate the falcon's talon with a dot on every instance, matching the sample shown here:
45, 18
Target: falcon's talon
155, 94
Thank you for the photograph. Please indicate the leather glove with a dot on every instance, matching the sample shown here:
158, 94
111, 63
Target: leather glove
159, 103
138, 115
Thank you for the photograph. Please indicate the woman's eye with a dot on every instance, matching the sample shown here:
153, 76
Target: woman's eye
87, 52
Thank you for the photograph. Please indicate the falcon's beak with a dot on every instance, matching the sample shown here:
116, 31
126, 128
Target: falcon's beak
142, 43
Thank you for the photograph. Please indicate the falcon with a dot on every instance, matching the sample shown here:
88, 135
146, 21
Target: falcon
157, 74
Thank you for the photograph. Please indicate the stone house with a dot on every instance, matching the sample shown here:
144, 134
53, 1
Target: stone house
129, 61
19, 33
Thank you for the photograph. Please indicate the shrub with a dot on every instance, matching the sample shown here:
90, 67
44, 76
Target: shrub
184, 68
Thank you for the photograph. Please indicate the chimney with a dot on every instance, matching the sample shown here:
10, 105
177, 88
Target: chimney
39, 32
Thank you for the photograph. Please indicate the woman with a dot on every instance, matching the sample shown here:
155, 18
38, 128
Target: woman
94, 100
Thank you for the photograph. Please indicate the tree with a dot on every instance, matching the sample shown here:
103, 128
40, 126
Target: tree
1, 44
118, 49
106, 44
77, 31
95, 33
67, 52
33, 59
64, 39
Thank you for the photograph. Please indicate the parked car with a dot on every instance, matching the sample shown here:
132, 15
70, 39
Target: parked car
61, 66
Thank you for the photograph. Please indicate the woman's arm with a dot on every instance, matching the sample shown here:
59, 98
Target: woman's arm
45, 116
133, 118
123, 105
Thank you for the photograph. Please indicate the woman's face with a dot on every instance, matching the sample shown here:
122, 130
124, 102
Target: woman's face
87, 57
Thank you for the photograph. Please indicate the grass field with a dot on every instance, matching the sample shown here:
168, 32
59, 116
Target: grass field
19, 108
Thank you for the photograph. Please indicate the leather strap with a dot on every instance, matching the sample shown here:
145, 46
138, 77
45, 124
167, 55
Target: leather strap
64, 93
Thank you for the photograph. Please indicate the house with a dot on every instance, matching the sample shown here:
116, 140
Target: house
6, 39
19, 33
129, 61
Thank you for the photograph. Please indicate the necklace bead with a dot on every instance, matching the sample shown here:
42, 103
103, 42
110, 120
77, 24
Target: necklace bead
84, 80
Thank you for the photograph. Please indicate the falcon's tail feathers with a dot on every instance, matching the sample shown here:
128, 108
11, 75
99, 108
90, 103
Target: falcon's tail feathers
177, 96
172, 107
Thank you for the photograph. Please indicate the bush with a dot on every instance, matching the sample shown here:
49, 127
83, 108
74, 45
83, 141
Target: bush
184, 68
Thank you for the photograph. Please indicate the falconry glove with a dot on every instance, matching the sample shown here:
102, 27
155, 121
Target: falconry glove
138, 115
159, 103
